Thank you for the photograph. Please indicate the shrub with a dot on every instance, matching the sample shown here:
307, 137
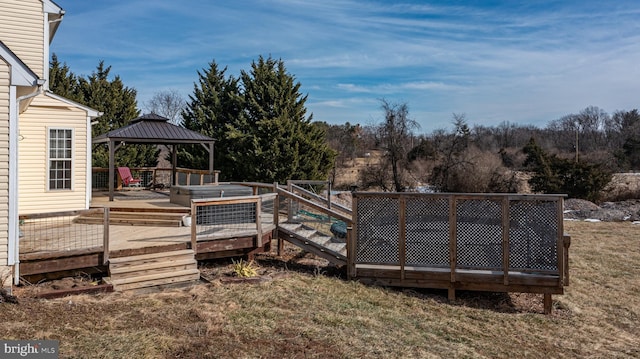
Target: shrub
552, 174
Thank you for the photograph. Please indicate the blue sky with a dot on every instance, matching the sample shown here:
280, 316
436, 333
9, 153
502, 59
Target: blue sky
525, 62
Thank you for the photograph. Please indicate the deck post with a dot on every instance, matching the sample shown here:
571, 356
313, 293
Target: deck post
105, 236
560, 240
352, 237
548, 303
402, 241
174, 165
211, 171
289, 202
276, 218
453, 232
112, 151
194, 219
505, 240
258, 204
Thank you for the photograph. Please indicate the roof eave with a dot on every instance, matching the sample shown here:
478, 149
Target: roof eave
21, 74
92, 113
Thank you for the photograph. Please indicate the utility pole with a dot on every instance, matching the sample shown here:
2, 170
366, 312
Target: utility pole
577, 150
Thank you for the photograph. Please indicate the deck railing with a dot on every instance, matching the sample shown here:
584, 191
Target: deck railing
216, 218
512, 237
155, 176
56, 232
296, 186
316, 216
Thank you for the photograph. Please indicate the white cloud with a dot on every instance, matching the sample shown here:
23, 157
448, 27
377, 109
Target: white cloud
530, 62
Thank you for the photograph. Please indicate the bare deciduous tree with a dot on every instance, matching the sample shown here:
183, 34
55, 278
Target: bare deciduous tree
167, 103
395, 135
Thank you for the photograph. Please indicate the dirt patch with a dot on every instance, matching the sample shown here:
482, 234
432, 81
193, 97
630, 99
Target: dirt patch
270, 266
50, 287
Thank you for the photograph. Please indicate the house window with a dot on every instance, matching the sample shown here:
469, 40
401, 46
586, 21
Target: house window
60, 158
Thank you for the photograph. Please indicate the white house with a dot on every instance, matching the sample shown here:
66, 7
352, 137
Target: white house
45, 139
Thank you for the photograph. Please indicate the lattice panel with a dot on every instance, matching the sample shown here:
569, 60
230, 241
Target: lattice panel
378, 231
533, 235
427, 232
479, 234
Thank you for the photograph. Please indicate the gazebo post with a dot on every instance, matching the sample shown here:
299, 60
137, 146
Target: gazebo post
211, 160
112, 151
174, 160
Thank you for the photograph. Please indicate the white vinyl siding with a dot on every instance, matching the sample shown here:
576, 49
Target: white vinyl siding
44, 114
60, 158
4, 162
22, 29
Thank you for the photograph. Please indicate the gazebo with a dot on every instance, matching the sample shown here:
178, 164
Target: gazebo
152, 129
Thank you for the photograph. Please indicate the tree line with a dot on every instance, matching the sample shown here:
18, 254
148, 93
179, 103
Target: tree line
259, 120
263, 133
575, 154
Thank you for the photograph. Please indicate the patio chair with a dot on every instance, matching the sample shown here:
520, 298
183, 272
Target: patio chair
127, 178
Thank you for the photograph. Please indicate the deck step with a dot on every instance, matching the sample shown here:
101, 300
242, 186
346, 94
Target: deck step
143, 257
133, 222
185, 276
135, 217
154, 269
320, 239
316, 242
290, 226
149, 268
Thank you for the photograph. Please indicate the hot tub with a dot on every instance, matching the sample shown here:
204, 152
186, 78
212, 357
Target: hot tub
183, 195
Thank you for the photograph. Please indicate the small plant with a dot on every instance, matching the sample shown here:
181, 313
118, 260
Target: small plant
243, 268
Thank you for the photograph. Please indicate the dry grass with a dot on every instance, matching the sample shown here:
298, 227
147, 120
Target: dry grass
306, 315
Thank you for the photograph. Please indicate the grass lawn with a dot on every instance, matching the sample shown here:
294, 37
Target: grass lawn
311, 314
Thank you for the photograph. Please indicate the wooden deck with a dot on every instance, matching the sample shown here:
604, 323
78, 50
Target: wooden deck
46, 255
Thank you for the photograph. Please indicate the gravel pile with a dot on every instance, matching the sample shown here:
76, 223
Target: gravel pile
578, 209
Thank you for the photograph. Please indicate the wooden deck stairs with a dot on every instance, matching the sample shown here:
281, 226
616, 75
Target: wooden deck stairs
153, 269
311, 240
157, 217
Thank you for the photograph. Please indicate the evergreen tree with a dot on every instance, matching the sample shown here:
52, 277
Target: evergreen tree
62, 81
551, 174
279, 142
214, 108
118, 105
116, 102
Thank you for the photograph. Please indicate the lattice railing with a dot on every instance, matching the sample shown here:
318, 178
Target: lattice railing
474, 232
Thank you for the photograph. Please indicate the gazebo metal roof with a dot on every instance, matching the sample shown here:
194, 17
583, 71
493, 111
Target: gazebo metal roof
152, 129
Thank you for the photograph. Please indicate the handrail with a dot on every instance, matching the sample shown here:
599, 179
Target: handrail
256, 185
306, 202
347, 210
